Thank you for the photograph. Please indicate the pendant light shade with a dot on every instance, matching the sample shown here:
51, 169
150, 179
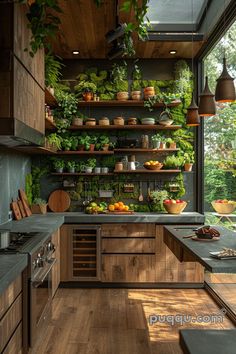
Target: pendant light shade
207, 105
225, 89
192, 118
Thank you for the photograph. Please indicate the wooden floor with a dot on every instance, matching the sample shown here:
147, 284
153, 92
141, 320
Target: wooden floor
115, 321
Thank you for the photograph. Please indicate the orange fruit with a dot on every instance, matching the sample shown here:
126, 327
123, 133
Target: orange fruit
121, 203
120, 208
126, 208
111, 207
116, 205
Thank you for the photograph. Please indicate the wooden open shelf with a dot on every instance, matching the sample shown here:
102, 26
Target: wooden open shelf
77, 152
125, 127
127, 103
49, 125
81, 174
148, 171
145, 150
36, 150
50, 100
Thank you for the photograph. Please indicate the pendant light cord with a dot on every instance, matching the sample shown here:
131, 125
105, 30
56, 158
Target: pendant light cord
192, 35
224, 29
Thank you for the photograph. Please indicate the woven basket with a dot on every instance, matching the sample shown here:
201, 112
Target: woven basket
39, 208
223, 208
175, 208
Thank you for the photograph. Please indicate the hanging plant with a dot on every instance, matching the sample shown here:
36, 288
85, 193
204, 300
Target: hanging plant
42, 22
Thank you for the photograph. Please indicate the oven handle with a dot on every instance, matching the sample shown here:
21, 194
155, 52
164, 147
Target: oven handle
37, 283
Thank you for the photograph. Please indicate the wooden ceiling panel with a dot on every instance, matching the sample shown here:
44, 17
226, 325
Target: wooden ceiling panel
83, 27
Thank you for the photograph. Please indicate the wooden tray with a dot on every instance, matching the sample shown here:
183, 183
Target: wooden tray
117, 212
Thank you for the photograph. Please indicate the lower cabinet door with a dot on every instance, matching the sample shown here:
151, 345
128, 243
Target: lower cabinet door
128, 268
15, 344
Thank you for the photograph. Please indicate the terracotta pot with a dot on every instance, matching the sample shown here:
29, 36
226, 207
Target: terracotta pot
172, 146
92, 146
87, 96
80, 148
188, 167
162, 145
105, 147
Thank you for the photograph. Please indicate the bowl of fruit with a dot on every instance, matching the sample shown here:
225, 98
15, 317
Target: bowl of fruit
173, 206
119, 207
223, 206
153, 165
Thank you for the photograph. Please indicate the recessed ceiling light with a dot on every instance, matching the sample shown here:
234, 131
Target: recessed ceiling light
75, 52
173, 51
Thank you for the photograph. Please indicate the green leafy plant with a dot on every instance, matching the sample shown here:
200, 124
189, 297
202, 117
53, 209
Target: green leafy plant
39, 201
83, 87
52, 70
84, 140
58, 163
137, 72
91, 163
157, 198
189, 157
66, 144
119, 72
70, 165
173, 161
157, 137
43, 22
55, 140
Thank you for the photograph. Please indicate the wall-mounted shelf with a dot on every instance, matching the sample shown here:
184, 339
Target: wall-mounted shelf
146, 150
148, 171
77, 152
36, 150
81, 174
50, 100
126, 127
127, 103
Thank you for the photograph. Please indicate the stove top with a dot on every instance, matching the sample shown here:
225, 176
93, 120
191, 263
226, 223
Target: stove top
18, 240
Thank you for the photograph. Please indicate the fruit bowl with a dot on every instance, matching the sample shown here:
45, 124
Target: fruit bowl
175, 208
153, 167
223, 208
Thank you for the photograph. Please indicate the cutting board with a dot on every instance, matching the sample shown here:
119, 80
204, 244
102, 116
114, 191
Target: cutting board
25, 202
117, 212
59, 201
21, 207
15, 210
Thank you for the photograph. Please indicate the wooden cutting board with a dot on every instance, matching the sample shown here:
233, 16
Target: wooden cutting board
59, 201
25, 202
117, 212
15, 209
21, 207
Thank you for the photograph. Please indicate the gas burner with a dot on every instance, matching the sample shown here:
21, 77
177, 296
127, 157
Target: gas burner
17, 241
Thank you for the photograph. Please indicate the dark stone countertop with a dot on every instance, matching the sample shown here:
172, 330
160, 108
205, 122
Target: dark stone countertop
10, 267
200, 249
208, 341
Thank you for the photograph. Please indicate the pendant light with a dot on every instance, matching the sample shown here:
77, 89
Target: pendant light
192, 117
207, 104
225, 89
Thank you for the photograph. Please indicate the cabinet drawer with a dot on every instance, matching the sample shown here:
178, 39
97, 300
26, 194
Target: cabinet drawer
129, 245
128, 268
15, 344
10, 321
128, 230
9, 295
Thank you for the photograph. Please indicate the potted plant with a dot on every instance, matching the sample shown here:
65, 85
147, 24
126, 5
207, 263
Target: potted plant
66, 110
157, 197
66, 144
156, 141
104, 142
85, 90
93, 140
71, 166
90, 165
78, 119
39, 206
84, 141
171, 144
163, 143
173, 162
188, 158
58, 165
53, 141
74, 142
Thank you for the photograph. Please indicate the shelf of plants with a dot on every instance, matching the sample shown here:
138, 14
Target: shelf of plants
85, 152
126, 127
50, 100
146, 150
148, 171
112, 173
127, 103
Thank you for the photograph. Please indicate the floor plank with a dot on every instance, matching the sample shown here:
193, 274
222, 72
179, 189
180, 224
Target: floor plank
116, 321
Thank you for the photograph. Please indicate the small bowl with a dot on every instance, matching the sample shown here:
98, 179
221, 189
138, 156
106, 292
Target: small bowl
153, 167
148, 121
223, 208
166, 122
175, 208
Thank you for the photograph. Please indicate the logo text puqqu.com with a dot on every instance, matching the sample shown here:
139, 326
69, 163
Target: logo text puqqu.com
182, 319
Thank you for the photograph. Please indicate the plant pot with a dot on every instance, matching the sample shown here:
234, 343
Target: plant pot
188, 167
80, 148
162, 145
59, 170
87, 96
77, 121
92, 146
104, 121
39, 208
71, 170
119, 121
156, 144
88, 169
172, 146
105, 147
122, 96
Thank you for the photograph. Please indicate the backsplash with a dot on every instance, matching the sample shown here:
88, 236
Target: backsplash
13, 168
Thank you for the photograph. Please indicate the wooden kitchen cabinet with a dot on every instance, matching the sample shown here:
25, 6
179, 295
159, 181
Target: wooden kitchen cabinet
21, 76
11, 304
137, 253
65, 254
56, 270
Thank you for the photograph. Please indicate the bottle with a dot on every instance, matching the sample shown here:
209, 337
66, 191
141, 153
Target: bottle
145, 141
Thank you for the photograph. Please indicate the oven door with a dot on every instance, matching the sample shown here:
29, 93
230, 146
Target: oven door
40, 302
